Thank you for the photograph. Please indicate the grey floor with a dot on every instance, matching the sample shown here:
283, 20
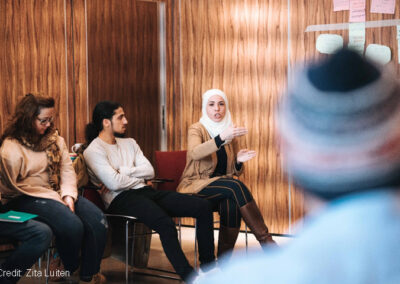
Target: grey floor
114, 269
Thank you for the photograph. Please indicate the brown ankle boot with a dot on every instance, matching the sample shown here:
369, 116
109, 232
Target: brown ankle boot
255, 221
226, 241
96, 279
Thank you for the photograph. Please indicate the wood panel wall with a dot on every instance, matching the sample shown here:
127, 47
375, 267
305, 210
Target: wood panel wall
33, 53
123, 63
78, 82
83, 51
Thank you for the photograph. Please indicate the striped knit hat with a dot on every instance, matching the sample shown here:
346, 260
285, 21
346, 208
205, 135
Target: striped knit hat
339, 126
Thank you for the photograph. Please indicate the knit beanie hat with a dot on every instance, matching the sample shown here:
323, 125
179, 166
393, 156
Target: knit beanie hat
339, 126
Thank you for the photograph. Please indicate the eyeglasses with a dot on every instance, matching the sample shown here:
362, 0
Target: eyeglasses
43, 121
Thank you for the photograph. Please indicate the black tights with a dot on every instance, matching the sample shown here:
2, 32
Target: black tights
227, 195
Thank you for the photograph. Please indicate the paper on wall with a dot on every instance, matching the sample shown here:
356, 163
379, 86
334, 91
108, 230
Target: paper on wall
340, 5
383, 6
378, 53
329, 43
357, 11
357, 37
357, 4
357, 16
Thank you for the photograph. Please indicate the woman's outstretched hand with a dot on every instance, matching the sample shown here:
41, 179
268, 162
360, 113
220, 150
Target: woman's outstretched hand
232, 132
245, 155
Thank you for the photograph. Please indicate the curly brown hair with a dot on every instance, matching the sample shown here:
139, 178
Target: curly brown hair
21, 124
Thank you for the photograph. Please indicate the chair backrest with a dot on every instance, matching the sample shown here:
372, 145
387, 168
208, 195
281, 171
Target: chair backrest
82, 176
91, 194
170, 165
88, 190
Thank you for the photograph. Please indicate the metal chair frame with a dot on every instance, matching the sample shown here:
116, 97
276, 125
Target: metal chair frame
131, 220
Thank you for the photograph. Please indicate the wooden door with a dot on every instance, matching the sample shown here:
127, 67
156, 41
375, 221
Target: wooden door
123, 64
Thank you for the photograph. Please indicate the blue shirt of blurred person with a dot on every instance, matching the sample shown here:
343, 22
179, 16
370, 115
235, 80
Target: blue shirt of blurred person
354, 239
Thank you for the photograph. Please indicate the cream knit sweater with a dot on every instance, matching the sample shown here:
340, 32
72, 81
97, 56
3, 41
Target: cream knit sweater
121, 166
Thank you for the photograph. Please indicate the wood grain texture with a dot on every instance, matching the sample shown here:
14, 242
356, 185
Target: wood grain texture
33, 55
241, 48
173, 104
78, 69
123, 64
69, 48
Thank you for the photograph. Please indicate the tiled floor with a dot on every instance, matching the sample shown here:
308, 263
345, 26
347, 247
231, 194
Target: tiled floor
114, 269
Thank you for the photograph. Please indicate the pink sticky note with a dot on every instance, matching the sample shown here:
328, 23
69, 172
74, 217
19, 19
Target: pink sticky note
383, 6
357, 5
357, 11
357, 16
340, 5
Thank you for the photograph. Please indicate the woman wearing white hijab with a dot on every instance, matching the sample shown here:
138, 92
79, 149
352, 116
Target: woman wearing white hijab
212, 161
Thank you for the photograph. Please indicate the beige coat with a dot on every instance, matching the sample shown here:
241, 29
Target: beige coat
201, 160
26, 170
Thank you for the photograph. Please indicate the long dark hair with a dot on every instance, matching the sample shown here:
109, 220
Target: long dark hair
21, 124
103, 110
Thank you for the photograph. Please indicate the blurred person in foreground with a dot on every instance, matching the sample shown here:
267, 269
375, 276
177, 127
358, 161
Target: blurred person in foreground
340, 136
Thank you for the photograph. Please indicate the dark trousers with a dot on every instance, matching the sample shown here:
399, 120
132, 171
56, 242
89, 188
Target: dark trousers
80, 233
155, 208
227, 195
34, 238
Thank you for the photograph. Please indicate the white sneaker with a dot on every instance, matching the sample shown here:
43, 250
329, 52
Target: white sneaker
204, 275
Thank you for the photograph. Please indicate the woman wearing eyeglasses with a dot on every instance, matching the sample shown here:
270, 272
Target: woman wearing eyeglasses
39, 177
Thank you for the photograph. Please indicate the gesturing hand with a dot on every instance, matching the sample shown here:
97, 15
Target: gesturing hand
245, 155
232, 132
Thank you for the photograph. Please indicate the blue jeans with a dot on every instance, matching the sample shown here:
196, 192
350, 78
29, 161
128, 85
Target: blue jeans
81, 232
34, 238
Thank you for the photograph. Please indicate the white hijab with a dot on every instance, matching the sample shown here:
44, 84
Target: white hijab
215, 128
